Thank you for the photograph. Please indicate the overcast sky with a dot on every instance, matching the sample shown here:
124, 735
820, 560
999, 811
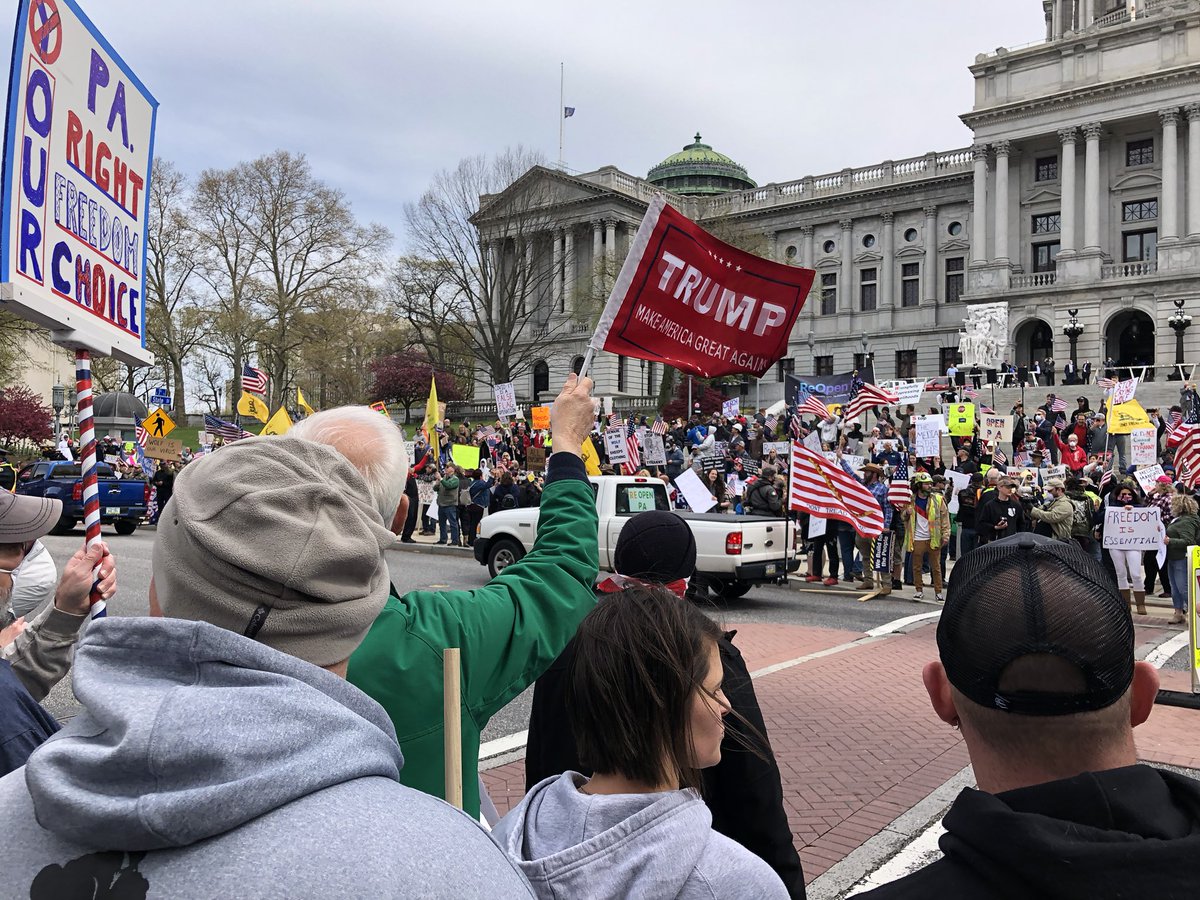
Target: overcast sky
380, 95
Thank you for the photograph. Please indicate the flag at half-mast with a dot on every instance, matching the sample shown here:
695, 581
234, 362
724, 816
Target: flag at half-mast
689, 300
822, 488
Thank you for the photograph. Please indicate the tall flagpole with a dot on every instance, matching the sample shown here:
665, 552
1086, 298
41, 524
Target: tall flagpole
562, 118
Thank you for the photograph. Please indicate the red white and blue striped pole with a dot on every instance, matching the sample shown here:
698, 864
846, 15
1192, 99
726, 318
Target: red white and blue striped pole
87, 460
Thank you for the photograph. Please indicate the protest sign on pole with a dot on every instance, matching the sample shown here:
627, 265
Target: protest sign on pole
506, 400
1143, 446
614, 444
812, 441
960, 419
689, 300
1124, 391
164, 448
654, 453
699, 498
1148, 477
731, 408
996, 428
1059, 471
1131, 529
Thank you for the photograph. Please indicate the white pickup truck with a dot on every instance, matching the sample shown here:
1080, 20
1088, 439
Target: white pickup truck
733, 553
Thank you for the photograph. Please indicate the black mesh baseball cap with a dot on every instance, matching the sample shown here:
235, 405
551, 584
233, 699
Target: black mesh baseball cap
1028, 596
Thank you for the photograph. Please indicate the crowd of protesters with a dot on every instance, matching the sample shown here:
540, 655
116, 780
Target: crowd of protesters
275, 727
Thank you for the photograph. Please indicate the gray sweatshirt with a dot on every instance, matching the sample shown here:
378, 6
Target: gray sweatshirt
207, 765
571, 844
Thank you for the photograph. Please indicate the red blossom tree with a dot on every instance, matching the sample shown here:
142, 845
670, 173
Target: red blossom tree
403, 378
709, 398
23, 416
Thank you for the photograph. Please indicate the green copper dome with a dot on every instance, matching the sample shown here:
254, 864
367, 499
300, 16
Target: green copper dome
698, 169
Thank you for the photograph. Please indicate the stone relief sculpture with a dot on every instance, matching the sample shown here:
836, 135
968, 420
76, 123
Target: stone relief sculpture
984, 337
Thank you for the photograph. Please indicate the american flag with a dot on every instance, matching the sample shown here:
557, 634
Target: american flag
1187, 453
771, 422
868, 395
614, 419
899, 490
142, 436
796, 426
999, 457
971, 393
1174, 420
822, 488
1059, 405
1021, 459
1106, 384
487, 430
987, 410
225, 430
1106, 477
254, 380
660, 426
1061, 421
632, 450
812, 406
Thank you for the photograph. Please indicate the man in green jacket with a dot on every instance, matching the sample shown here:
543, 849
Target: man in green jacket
509, 631
447, 499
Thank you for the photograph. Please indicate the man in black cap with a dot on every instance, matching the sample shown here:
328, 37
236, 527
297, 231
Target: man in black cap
743, 791
1037, 668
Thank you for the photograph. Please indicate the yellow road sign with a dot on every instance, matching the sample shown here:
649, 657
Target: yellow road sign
158, 424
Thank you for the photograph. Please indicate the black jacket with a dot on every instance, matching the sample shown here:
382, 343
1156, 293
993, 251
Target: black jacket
995, 509
743, 792
1130, 833
762, 499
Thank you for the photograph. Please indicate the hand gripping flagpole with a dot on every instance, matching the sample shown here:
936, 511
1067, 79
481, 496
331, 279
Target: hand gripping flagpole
87, 440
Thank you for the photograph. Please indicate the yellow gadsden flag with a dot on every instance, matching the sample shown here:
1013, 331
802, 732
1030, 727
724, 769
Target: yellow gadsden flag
278, 423
302, 403
432, 418
591, 459
252, 406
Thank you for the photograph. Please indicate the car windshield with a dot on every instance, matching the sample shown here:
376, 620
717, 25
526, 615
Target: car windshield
75, 470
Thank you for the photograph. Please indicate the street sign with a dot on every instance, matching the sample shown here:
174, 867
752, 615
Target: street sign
158, 424
163, 448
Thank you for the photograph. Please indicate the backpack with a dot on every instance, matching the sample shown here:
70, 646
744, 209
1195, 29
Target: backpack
508, 501
1081, 517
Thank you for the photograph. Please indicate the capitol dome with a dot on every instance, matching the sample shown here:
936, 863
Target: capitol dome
699, 170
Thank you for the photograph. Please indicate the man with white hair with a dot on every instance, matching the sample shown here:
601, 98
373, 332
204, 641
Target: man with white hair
509, 631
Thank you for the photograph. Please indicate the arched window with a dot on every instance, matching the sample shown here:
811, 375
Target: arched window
577, 365
541, 377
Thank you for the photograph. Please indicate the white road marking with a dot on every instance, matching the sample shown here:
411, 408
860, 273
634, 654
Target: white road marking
917, 854
506, 744
897, 624
1164, 651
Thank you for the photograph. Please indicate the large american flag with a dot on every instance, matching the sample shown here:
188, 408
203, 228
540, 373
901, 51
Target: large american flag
254, 380
227, 431
1058, 405
632, 450
821, 488
1187, 453
868, 395
899, 490
812, 406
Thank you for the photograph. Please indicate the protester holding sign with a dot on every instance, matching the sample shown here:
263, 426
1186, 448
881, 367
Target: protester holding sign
1126, 561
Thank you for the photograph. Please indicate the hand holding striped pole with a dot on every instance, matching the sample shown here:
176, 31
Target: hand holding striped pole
87, 460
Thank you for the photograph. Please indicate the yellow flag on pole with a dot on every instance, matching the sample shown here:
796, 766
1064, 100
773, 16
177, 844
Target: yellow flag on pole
278, 423
591, 459
302, 403
252, 406
432, 418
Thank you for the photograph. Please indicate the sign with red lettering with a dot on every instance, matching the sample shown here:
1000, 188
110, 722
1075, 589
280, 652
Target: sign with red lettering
687, 299
76, 184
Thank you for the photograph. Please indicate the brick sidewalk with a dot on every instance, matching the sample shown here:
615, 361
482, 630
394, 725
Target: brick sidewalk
856, 740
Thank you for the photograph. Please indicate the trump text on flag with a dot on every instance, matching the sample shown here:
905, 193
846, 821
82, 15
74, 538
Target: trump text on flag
77, 158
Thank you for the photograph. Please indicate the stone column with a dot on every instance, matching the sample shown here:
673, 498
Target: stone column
979, 210
1091, 187
1193, 168
1169, 202
806, 246
931, 255
1066, 178
610, 253
597, 255
772, 246
846, 279
556, 298
569, 269
887, 291
1001, 148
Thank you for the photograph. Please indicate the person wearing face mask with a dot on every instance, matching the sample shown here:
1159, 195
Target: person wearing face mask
1128, 563
1073, 456
1057, 511
927, 523
1001, 515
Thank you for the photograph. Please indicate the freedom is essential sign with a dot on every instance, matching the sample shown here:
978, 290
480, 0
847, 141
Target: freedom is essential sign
694, 302
76, 185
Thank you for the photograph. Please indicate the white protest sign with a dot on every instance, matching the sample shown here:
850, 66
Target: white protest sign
431, 511
1124, 391
1132, 529
698, 497
780, 447
654, 453
816, 527
506, 400
813, 441
1147, 477
909, 393
960, 481
929, 438
614, 444
730, 408
1143, 446
1059, 471
854, 461
996, 428
77, 184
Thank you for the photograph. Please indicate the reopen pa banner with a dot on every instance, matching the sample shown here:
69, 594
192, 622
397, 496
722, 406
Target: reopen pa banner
78, 148
694, 302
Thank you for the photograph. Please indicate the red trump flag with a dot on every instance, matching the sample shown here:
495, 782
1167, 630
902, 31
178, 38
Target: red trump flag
692, 301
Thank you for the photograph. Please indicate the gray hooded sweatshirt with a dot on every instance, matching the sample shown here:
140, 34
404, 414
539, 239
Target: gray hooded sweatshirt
571, 844
207, 765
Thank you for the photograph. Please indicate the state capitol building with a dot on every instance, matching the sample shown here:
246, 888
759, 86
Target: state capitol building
1080, 192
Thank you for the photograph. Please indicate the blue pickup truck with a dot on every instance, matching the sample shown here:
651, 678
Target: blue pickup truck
123, 501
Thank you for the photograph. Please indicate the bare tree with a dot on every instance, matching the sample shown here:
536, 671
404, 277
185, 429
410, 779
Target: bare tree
487, 225
210, 377
424, 296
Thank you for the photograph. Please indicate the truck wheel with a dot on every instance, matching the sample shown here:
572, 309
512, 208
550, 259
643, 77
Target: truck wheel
503, 554
124, 526
729, 590
63, 526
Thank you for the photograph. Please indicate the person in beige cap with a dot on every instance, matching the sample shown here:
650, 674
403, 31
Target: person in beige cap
220, 751
1057, 511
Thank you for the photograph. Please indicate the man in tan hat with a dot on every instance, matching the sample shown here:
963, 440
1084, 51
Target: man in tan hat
872, 479
1058, 512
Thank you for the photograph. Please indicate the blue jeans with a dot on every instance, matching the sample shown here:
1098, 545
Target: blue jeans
845, 537
448, 516
1177, 572
967, 540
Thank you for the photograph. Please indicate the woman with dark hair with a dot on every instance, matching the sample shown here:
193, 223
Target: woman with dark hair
646, 706
716, 486
1128, 563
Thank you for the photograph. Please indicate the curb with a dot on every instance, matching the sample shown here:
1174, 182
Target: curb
434, 550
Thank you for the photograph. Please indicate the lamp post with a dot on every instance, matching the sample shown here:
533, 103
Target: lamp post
1073, 330
57, 395
1179, 322
71, 395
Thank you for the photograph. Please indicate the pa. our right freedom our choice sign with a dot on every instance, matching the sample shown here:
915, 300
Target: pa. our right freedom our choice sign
697, 303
